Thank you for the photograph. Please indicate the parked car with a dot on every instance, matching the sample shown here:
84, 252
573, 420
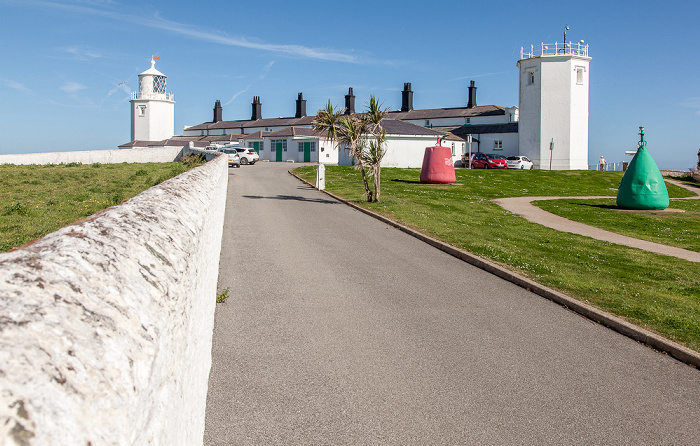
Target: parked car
234, 159
488, 161
248, 155
519, 162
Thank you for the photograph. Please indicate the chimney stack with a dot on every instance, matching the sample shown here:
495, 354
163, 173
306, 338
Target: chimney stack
406, 97
257, 109
349, 102
301, 107
218, 111
472, 95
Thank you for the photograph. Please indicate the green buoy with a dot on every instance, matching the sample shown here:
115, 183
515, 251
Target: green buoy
642, 187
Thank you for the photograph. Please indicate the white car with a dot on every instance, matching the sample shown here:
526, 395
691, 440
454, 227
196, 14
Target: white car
519, 162
248, 156
234, 158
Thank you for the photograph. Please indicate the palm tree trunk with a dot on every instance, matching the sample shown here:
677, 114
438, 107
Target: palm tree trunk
377, 182
368, 191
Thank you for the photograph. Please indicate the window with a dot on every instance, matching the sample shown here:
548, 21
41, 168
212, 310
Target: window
427, 123
453, 149
142, 110
313, 146
469, 120
301, 147
531, 77
159, 84
579, 75
275, 142
497, 144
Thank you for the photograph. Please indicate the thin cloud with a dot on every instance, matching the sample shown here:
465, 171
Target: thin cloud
239, 93
15, 85
220, 37
263, 74
81, 53
266, 69
72, 87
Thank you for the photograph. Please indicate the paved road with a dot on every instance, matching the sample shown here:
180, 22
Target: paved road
341, 330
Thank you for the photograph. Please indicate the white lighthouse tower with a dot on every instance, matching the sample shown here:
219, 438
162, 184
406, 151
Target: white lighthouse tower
553, 128
152, 109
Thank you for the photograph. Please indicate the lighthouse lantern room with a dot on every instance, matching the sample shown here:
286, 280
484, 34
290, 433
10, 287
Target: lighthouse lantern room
152, 108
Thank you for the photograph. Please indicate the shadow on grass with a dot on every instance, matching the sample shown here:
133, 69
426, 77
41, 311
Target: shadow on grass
407, 181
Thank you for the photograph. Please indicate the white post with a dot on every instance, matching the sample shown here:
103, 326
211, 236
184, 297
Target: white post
469, 160
321, 177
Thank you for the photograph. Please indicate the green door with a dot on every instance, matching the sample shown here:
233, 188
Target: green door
256, 147
279, 152
307, 152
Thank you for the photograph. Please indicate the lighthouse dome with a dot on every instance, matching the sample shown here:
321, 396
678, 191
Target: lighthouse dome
152, 71
152, 83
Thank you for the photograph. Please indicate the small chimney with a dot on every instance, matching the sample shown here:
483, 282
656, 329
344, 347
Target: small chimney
218, 111
257, 109
406, 97
301, 107
349, 102
472, 95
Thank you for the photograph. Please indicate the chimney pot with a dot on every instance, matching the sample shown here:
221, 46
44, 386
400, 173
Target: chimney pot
349, 102
472, 95
406, 97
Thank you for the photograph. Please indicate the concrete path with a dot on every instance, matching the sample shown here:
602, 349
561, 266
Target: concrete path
342, 330
523, 206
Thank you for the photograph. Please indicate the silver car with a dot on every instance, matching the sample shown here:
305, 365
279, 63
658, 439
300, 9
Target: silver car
234, 159
519, 162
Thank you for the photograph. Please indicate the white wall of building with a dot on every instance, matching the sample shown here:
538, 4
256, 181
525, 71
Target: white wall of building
554, 109
152, 119
401, 151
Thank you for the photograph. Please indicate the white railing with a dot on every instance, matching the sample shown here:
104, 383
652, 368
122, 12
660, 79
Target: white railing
549, 49
138, 95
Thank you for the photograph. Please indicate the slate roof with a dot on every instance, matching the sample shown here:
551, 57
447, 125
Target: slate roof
265, 122
458, 112
293, 131
479, 129
394, 127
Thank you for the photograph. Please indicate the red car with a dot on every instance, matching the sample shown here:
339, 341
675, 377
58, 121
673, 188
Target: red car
488, 161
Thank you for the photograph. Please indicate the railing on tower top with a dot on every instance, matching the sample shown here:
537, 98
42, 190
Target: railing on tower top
578, 49
138, 95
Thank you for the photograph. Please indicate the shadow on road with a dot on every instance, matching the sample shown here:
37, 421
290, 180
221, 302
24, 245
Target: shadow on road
292, 197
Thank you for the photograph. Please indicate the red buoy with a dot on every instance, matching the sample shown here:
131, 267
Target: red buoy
438, 167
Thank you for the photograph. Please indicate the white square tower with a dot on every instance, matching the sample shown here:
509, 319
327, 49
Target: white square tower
553, 101
152, 108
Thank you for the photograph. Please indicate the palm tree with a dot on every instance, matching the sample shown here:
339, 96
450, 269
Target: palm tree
326, 121
374, 156
351, 133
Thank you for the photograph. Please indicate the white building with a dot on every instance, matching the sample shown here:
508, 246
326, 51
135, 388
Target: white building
552, 114
152, 108
553, 100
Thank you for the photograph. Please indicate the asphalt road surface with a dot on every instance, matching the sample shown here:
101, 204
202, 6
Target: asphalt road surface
341, 330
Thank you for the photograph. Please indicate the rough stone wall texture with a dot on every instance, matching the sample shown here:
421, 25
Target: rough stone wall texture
151, 155
106, 325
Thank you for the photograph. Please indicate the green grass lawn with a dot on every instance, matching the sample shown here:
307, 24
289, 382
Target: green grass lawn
659, 293
37, 200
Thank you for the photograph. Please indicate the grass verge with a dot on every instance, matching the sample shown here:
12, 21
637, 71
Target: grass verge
36, 200
655, 292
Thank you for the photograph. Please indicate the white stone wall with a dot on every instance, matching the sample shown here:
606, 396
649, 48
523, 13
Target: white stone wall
106, 325
144, 155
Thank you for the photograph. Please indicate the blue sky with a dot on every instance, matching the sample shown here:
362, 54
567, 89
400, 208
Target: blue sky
68, 66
